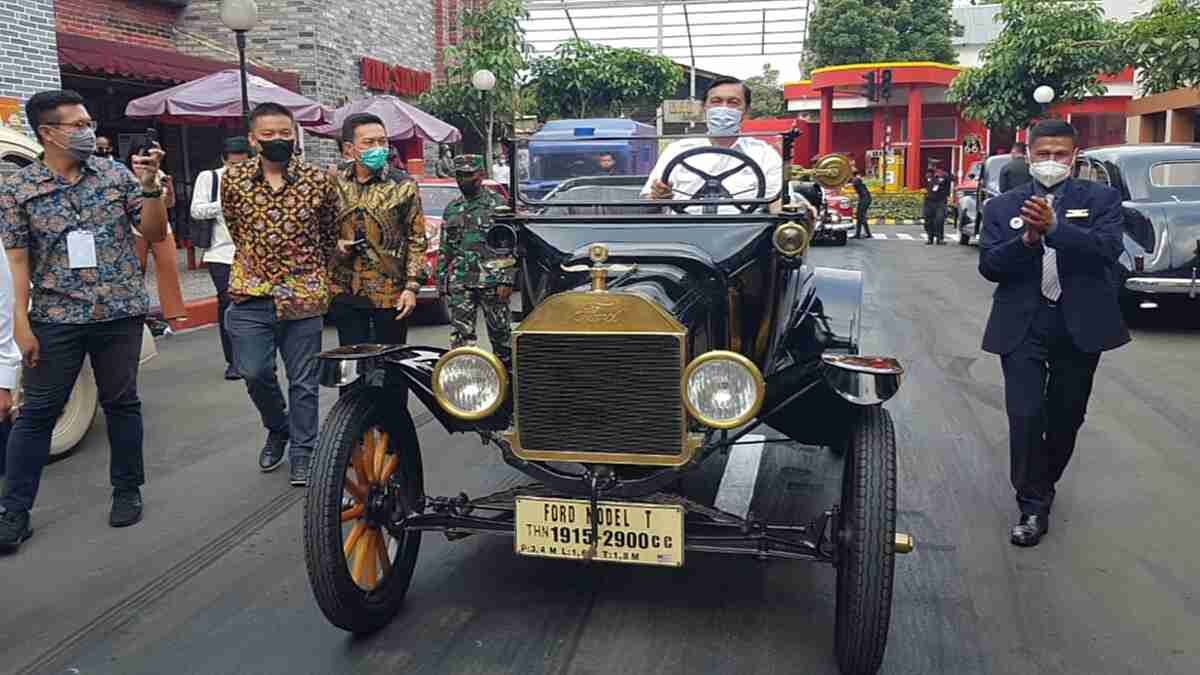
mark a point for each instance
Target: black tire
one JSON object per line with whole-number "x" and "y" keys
{"x": 964, "y": 237}
{"x": 344, "y": 602}
{"x": 842, "y": 237}
{"x": 867, "y": 534}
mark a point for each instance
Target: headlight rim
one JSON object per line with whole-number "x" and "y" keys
{"x": 456, "y": 412}
{"x": 760, "y": 389}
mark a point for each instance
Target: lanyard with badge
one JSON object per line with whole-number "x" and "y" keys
{"x": 81, "y": 244}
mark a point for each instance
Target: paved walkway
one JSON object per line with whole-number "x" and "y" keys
{"x": 196, "y": 283}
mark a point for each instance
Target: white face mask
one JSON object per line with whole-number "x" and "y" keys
{"x": 723, "y": 121}
{"x": 1049, "y": 172}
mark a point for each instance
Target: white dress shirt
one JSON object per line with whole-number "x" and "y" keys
{"x": 741, "y": 185}
{"x": 10, "y": 355}
{"x": 501, "y": 174}
{"x": 203, "y": 208}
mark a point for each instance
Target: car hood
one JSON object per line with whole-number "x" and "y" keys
{"x": 1166, "y": 235}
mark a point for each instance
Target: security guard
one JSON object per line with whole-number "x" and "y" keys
{"x": 474, "y": 277}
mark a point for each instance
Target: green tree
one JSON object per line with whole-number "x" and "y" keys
{"x": 583, "y": 79}
{"x": 766, "y": 94}
{"x": 1164, "y": 44}
{"x": 1065, "y": 44}
{"x": 493, "y": 39}
{"x": 864, "y": 31}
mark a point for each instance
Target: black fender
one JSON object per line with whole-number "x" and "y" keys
{"x": 411, "y": 367}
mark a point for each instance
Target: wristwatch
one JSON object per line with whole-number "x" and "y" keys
{"x": 152, "y": 195}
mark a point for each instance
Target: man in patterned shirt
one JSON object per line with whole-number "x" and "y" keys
{"x": 68, "y": 224}
{"x": 471, "y": 275}
{"x": 380, "y": 259}
{"x": 280, "y": 215}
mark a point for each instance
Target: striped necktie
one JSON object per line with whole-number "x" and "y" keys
{"x": 1051, "y": 288}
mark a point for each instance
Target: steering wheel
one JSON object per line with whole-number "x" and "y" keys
{"x": 713, "y": 188}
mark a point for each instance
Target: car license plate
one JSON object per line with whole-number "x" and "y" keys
{"x": 640, "y": 534}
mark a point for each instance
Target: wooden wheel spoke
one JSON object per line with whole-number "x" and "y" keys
{"x": 353, "y": 513}
{"x": 385, "y": 565}
{"x": 381, "y": 448}
{"x": 359, "y": 459}
{"x": 389, "y": 468}
{"x": 362, "y": 556}
{"x": 355, "y": 535}
{"x": 371, "y": 575}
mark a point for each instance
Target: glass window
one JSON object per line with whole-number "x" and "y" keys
{"x": 435, "y": 199}
{"x": 1175, "y": 174}
{"x": 932, "y": 129}
{"x": 1097, "y": 129}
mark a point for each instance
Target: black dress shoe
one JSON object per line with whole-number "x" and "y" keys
{"x": 231, "y": 374}
{"x": 1029, "y": 530}
{"x": 272, "y": 453}
{"x": 126, "y": 507}
{"x": 14, "y": 529}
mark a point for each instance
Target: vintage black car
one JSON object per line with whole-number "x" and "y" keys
{"x": 969, "y": 212}
{"x": 1160, "y": 189}
{"x": 657, "y": 337}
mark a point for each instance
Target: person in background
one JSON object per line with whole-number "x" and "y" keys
{"x": 280, "y": 213}
{"x": 380, "y": 260}
{"x": 1015, "y": 173}
{"x": 501, "y": 172}
{"x": 606, "y": 164}
{"x": 938, "y": 185}
{"x": 218, "y": 257}
{"x": 444, "y": 168}
{"x": 470, "y": 277}
{"x": 104, "y": 147}
{"x": 76, "y": 292}
{"x": 166, "y": 261}
{"x": 1050, "y": 245}
{"x": 864, "y": 203}
{"x": 10, "y": 357}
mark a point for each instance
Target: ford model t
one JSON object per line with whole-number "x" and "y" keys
{"x": 655, "y": 338}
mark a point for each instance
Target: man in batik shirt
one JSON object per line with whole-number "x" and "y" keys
{"x": 280, "y": 212}
{"x": 472, "y": 276}
{"x": 380, "y": 261}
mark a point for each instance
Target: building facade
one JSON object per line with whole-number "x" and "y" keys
{"x": 28, "y": 50}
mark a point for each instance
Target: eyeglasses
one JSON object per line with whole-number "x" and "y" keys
{"x": 88, "y": 124}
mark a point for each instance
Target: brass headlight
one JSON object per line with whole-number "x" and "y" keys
{"x": 790, "y": 239}
{"x": 470, "y": 383}
{"x": 723, "y": 389}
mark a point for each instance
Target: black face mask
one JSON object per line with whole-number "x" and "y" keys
{"x": 104, "y": 153}
{"x": 469, "y": 187}
{"x": 279, "y": 150}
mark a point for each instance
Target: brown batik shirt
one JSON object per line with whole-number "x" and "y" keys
{"x": 385, "y": 210}
{"x": 285, "y": 238}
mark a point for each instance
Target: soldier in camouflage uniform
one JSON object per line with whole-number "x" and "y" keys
{"x": 473, "y": 276}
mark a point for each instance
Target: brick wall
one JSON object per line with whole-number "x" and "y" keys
{"x": 321, "y": 41}
{"x": 28, "y": 50}
{"x": 137, "y": 22}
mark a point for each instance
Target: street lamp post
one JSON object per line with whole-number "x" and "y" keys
{"x": 485, "y": 81}
{"x": 1043, "y": 95}
{"x": 240, "y": 16}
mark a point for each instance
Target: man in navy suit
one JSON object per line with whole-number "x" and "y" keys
{"x": 1050, "y": 245}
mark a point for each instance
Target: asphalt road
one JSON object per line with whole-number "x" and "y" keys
{"x": 213, "y": 580}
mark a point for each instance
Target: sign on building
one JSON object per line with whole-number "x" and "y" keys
{"x": 398, "y": 80}
{"x": 682, "y": 111}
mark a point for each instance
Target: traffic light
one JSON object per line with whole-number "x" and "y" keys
{"x": 870, "y": 90}
{"x": 885, "y": 87}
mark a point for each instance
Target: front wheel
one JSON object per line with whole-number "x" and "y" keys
{"x": 866, "y": 537}
{"x": 366, "y": 472}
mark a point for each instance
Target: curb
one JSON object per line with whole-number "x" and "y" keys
{"x": 894, "y": 221}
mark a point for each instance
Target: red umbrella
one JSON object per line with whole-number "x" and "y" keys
{"x": 219, "y": 96}
{"x": 401, "y": 120}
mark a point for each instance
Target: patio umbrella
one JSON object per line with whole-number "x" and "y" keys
{"x": 218, "y": 97}
{"x": 402, "y": 121}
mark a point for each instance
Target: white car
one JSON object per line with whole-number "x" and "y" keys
{"x": 17, "y": 150}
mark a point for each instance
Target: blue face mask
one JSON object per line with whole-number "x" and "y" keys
{"x": 374, "y": 159}
{"x": 723, "y": 121}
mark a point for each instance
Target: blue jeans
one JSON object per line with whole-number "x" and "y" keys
{"x": 256, "y": 334}
{"x": 114, "y": 348}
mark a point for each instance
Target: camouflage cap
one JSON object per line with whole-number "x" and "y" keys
{"x": 468, "y": 163}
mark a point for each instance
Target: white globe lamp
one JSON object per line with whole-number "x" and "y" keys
{"x": 483, "y": 80}
{"x": 1043, "y": 94}
{"x": 239, "y": 15}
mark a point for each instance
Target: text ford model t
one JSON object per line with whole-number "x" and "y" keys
{"x": 656, "y": 337}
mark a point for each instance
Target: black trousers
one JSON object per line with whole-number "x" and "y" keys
{"x": 935, "y": 220}
{"x": 860, "y": 218}
{"x": 114, "y": 349}
{"x": 1047, "y": 383}
{"x": 358, "y": 325}
{"x": 220, "y": 279}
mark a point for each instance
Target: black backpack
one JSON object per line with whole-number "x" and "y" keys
{"x": 202, "y": 230}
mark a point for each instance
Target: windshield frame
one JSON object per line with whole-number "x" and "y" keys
{"x": 518, "y": 198}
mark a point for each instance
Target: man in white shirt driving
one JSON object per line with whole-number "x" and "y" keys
{"x": 725, "y": 105}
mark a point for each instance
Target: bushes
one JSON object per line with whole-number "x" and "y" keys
{"x": 898, "y": 205}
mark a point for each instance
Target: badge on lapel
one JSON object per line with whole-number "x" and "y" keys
{"x": 1016, "y": 223}
{"x": 1077, "y": 213}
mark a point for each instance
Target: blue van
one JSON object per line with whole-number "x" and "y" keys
{"x": 560, "y": 151}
